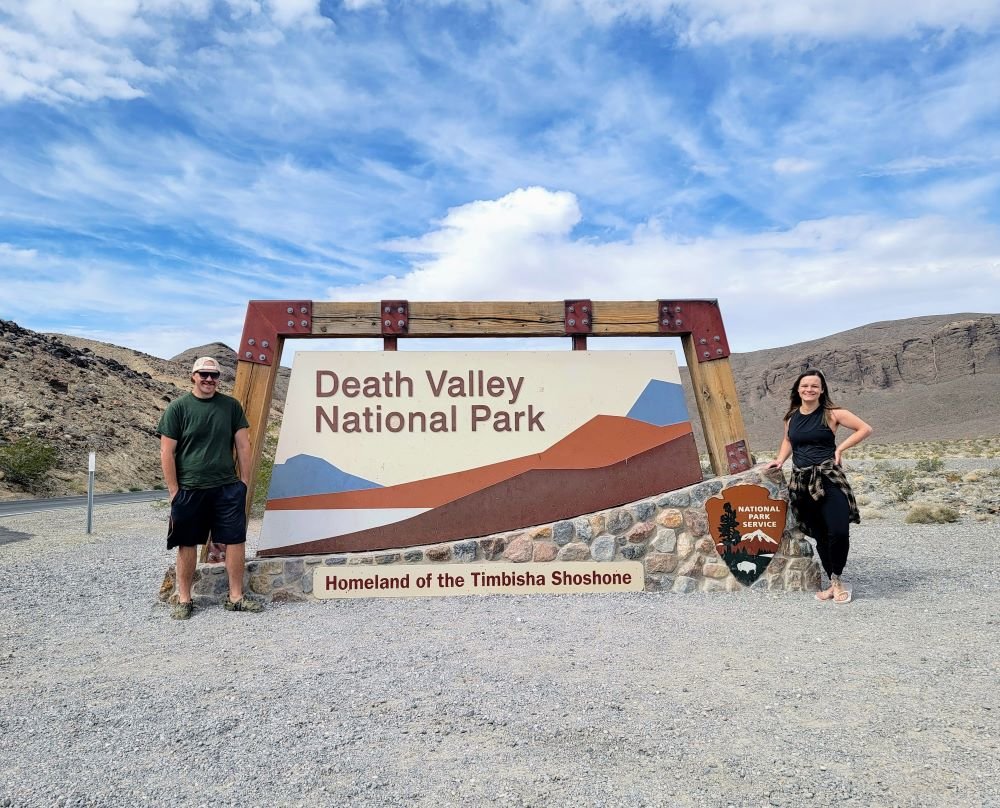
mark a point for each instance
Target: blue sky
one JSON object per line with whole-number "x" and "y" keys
{"x": 815, "y": 166}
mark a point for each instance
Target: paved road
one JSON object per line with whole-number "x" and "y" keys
{"x": 17, "y": 506}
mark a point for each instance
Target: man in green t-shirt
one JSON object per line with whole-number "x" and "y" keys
{"x": 197, "y": 434}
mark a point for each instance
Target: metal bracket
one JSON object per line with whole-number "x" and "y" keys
{"x": 579, "y": 316}
{"x": 699, "y": 318}
{"x": 267, "y": 320}
{"x": 737, "y": 456}
{"x": 394, "y": 316}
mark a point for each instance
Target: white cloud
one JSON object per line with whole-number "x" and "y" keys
{"x": 60, "y": 51}
{"x": 836, "y": 273}
{"x": 291, "y": 12}
{"x": 725, "y": 20}
{"x": 793, "y": 165}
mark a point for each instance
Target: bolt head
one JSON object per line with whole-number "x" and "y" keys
{"x": 706, "y": 354}
{"x": 387, "y": 309}
{"x": 401, "y": 323}
{"x": 291, "y": 323}
{"x": 304, "y": 323}
{"x": 703, "y": 341}
{"x": 251, "y": 341}
{"x": 400, "y": 310}
{"x": 289, "y": 310}
{"x": 265, "y": 344}
{"x": 387, "y": 323}
{"x": 249, "y": 354}
{"x": 263, "y": 358}
{"x": 585, "y": 321}
{"x": 572, "y": 322}
{"x": 303, "y": 310}
{"x": 678, "y": 322}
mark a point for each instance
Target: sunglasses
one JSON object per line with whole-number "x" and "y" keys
{"x": 207, "y": 375}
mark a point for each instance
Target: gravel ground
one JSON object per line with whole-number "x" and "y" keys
{"x": 658, "y": 700}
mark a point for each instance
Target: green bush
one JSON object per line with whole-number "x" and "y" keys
{"x": 929, "y": 464}
{"x": 924, "y": 514}
{"x": 27, "y": 461}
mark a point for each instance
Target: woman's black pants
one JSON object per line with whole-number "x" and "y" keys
{"x": 828, "y": 522}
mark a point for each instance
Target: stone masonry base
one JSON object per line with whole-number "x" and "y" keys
{"x": 667, "y": 533}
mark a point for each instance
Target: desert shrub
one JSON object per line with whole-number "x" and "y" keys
{"x": 923, "y": 513}
{"x": 931, "y": 463}
{"x": 900, "y": 483}
{"x": 27, "y": 461}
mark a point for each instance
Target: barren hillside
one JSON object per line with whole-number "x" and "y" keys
{"x": 926, "y": 378}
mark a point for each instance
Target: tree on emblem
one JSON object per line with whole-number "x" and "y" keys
{"x": 728, "y": 527}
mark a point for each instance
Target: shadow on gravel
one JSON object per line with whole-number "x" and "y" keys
{"x": 881, "y": 578}
{"x": 11, "y": 536}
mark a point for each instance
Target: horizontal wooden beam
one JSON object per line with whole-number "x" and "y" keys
{"x": 615, "y": 318}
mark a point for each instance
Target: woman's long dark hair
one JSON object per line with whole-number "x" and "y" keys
{"x": 825, "y": 402}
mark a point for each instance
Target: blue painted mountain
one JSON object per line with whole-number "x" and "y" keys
{"x": 304, "y": 475}
{"x": 660, "y": 404}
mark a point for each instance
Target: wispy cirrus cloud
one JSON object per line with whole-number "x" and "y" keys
{"x": 163, "y": 149}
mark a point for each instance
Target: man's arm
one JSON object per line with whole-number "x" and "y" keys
{"x": 168, "y": 461}
{"x": 243, "y": 454}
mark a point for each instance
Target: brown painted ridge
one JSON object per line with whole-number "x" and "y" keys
{"x": 603, "y": 441}
{"x": 537, "y": 496}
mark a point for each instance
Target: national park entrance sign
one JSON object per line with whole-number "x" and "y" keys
{"x": 622, "y": 446}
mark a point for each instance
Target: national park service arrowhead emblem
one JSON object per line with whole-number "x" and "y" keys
{"x": 746, "y": 524}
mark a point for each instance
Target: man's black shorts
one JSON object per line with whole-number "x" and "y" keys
{"x": 196, "y": 511}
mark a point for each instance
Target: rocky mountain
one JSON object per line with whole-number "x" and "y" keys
{"x": 81, "y": 396}
{"x": 919, "y": 379}
{"x": 925, "y": 378}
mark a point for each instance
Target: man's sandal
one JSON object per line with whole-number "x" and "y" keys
{"x": 182, "y": 611}
{"x": 244, "y": 604}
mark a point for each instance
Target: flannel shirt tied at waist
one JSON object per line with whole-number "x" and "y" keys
{"x": 808, "y": 482}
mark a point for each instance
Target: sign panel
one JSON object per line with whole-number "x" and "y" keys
{"x": 570, "y": 577}
{"x": 747, "y": 526}
{"x": 397, "y": 449}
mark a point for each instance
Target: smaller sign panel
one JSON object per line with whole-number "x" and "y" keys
{"x": 747, "y": 525}
{"x": 417, "y": 580}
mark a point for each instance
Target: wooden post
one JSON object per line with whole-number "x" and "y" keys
{"x": 718, "y": 404}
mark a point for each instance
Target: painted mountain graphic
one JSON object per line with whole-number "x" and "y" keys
{"x": 304, "y": 474}
{"x": 756, "y": 543}
{"x": 660, "y": 403}
{"x": 608, "y": 461}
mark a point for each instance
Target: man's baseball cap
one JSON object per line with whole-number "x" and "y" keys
{"x": 207, "y": 364}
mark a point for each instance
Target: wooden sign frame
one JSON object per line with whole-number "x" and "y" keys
{"x": 697, "y": 322}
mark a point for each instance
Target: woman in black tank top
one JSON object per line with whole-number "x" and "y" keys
{"x": 818, "y": 489}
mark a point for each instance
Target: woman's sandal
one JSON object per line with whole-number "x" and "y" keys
{"x": 843, "y": 596}
{"x": 826, "y": 594}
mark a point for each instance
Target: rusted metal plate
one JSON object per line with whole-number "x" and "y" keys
{"x": 395, "y": 317}
{"x": 265, "y": 321}
{"x": 737, "y": 457}
{"x": 699, "y": 318}
{"x": 579, "y": 317}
